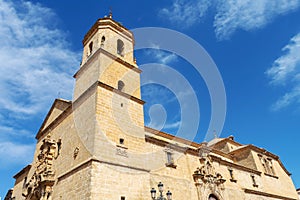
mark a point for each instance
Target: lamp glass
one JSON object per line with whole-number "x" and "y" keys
{"x": 169, "y": 195}
{"x": 160, "y": 187}
{"x": 153, "y": 193}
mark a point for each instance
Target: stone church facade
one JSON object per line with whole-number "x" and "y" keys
{"x": 97, "y": 147}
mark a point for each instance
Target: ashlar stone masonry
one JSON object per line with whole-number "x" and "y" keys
{"x": 97, "y": 147}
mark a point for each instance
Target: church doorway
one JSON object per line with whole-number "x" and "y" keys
{"x": 212, "y": 197}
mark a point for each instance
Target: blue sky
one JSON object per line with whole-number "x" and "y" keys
{"x": 255, "y": 45}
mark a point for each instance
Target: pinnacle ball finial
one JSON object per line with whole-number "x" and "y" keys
{"x": 215, "y": 134}
{"x": 110, "y": 13}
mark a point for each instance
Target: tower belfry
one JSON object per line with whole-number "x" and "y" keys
{"x": 109, "y": 45}
{"x": 107, "y": 89}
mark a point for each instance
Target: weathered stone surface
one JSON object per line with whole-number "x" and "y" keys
{"x": 98, "y": 148}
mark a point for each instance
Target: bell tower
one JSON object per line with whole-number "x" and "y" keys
{"x": 108, "y": 45}
{"x": 107, "y": 96}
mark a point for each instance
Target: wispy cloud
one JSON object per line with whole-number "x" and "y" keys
{"x": 157, "y": 93}
{"x": 230, "y": 15}
{"x": 158, "y": 119}
{"x": 285, "y": 71}
{"x": 161, "y": 56}
{"x": 9, "y": 131}
{"x": 174, "y": 125}
{"x": 36, "y": 61}
{"x": 186, "y": 13}
{"x": 248, "y": 15}
{"x": 13, "y": 153}
{"x": 288, "y": 99}
{"x": 167, "y": 109}
{"x": 36, "y": 66}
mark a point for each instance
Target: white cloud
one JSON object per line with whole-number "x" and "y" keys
{"x": 158, "y": 117}
{"x": 166, "y": 58}
{"x": 186, "y": 13}
{"x": 230, "y": 15}
{"x": 287, "y": 66}
{"x": 287, "y": 99}
{"x": 285, "y": 71}
{"x": 13, "y": 153}
{"x": 36, "y": 66}
{"x": 161, "y": 56}
{"x": 9, "y": 132}
{"x": 36, "y": 62}
{"x": 248, "y": 14}
{"x": 173, "y": 125}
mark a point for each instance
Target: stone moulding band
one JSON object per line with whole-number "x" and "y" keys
{"x": 249, "y": 191}
{"x": 116, "y": 58}
{"x": 89, "y": 162}
{"x": 68, "y": 110}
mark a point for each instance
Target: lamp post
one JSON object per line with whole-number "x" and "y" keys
{"x": 160, "y": 189}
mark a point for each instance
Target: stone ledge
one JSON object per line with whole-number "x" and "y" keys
{"x": 234, "y": 165}
{"x": 110, "y": 55}
{"x": 89, "y": 162}
{"x": 249, "y": 191}
{"x": 273, "y": 176}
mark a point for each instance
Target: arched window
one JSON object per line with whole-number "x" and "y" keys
{"x": 90, "y": 48}
{"x": 212, "y": 197}
{"x": 120, "y": 47}
{"x": 102, "y": 41}
{"x": 121, "y": 85}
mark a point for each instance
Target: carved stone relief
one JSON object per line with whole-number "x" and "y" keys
{"x": 39, "y": 187}
{"x": 76, "y": 152}
{"x": 121, "y": 152}
{"x": 208, "y": 180}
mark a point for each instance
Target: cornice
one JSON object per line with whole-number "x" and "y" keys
{"x": 110, "y": 88}
{"x": 23, "y": 171}
{"x": 171, "y": 137}
{"x": 110, "y": 55}
{"x": 162, "y": 143}
{"x": 50, "y": 111}
{"x": 234, "y": 165}
{"x": 261, "y": 151}
{"x": 228, "y": 140}
{"x": 68, "y": 110}
{"x": 105, "y": 22}
{"x": 249, "y": 191}
{"x": 88, "y": 163}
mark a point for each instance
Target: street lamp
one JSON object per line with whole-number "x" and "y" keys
{"x": 160, "y": 189}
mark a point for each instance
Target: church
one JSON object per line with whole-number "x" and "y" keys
{"x": 97, "y": 146}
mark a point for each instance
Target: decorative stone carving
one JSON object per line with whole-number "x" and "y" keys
{"x": 207, "y": 180}
{"x": 76, "y": 151}
{"x": 121, "y": 152}
{"x": 205, "y": 174}
{"x": 39, "y": 187}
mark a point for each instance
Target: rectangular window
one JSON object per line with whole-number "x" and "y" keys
{"x": 121, "y": 140}
{"x": 24, "y": 183}
{"x": 232, "y": 179}
{"x": 122, "y": 198}
{"x": 170, "y": 160}
{"x": 169, "y": 157}
{"x": 253, "y": 180}
{"x": 270, "y": 164}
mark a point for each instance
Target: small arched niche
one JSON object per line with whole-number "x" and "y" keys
{"x": 121, "y": 85}
{"x": 91, "y": 48}
{"x": 120, "y": 47}
{"x": 102, "y": 41}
